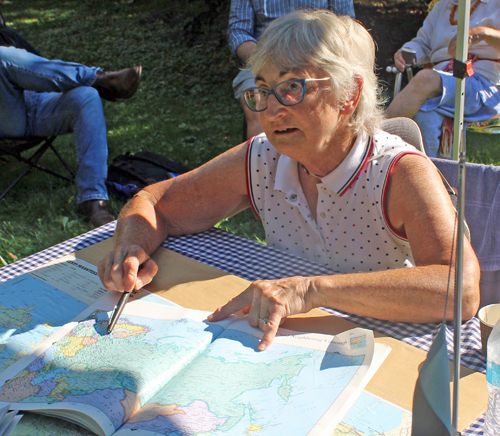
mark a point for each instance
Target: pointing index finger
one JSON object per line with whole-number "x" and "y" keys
{"x": 270, "y": 330}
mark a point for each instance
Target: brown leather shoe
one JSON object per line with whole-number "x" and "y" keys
{"x": 113, "y": 85}
{"x": 96, "y": 212}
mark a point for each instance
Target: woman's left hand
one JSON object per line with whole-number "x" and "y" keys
{"x": 269, "y": 302}
{"x": 474, "y": 36}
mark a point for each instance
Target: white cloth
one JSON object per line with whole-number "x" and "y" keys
{"x": 351, "y": 233}
{"x": 433, "y": 38}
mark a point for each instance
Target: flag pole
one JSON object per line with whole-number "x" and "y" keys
{"x": 459, "y": 154}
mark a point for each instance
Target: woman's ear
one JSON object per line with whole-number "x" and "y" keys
{"x": 350, "y": 105}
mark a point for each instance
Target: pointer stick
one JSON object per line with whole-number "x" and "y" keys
{"x": 118, "y": 310}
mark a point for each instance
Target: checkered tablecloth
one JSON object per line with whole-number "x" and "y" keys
{"x": 252, "y": 261}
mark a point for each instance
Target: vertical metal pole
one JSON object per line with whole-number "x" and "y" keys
{"x": 458, "y": 286}
{"x": 459, "y": 150}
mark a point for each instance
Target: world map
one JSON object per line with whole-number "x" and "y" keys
{"x": 370, "y": 416}
{"x": 30, "y": 311}
{"x": 35, "y": 305}
{"x": 220, "y": 387}
{"x": 114, "y": 373}
{"x": 233, "y": 389}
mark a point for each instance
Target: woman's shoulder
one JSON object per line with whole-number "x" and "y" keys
{"x": 388, "y": 143}
{"x": 260, "y": 145}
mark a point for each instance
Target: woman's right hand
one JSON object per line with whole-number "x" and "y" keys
{"x": 126, "y": 268}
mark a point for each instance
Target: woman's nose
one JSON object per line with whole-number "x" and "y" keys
{"x": 274, "y": 107}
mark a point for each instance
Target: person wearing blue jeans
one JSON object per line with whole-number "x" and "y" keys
{"x": 42, "y": 97}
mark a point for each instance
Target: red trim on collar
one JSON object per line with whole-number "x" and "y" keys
{"x": 247, "y": 173}
{"x": 384, "y": 195}
{"x": 367, "y": 158}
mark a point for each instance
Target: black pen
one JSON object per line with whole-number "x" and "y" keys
{"x": 118, "y": 311}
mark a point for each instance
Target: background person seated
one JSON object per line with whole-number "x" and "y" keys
{"x": 430, "y": 95}
{"x": 42, "y": 97}
{"x": 247, "y": 21}
{"x": 327, "y": 183}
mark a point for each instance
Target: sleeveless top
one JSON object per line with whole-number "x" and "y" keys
{"x": 351, "y": 233}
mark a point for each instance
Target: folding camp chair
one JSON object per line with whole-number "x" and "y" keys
{"x": 15, "y": 147}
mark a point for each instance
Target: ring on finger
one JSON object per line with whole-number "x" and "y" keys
{"x": 264, "y": 320}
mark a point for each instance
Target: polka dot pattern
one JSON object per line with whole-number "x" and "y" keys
{"x": 350, "y": 233}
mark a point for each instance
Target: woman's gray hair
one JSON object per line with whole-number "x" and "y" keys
{"x": 338, "y": 45}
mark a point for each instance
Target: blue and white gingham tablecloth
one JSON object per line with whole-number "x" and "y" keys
{"x": 253, "y": 261}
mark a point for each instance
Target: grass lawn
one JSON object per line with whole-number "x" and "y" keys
{"x": 184, "y": 108}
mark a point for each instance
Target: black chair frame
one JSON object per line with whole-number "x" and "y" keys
{"x": 16, "y": 146}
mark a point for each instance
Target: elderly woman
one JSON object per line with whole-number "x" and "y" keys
{"x": 326, "y": 183}
{"x": 430, "y": 95}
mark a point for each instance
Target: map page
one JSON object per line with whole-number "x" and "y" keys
{"x": 166, "y": 370}
{"x": 374, "y": 416}
{"x": 369, "y": 416}
{"x": 35, "y": 305}
{"x": 98, "y": 379}
{"x": 296, "y": 387}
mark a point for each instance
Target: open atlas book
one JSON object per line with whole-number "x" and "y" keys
{"x": 166, "y": 370}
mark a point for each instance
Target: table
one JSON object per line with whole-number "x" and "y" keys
{"x": 252, "y": 261}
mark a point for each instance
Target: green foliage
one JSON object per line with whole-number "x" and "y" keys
{"x": 245, "y": 224}
{"x": 483, "y": 148}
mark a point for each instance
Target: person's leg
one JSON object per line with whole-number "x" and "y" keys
{"x": 30, "y": 72}
{"x": 12, "y": 106}
{"x": 426, "y": 84}
{"x": 430, "y": 124}
{"x": 481, "y": 99}
{"x": 80, "y": 111}
{"x": 245, "y": 80}
{"x": 20, "y": 70}
{"x": 12, "y": 110}
{"x": 23, "y": 70}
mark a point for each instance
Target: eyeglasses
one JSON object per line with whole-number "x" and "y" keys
{"x": 288, "y": 93}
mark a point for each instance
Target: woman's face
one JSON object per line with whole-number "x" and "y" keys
{"x": 310, "y": 129}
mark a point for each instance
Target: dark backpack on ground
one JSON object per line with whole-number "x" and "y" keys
{"x": 129, "y": 173}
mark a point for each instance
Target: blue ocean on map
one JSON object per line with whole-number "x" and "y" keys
{"x": 30, "y": 315}
{"x": 214, "y": 381}
{"x": 112, "y": 372}
{"x": 374, "y": 416}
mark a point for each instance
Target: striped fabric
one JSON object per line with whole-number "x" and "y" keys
{"x": 249, "y": 18}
